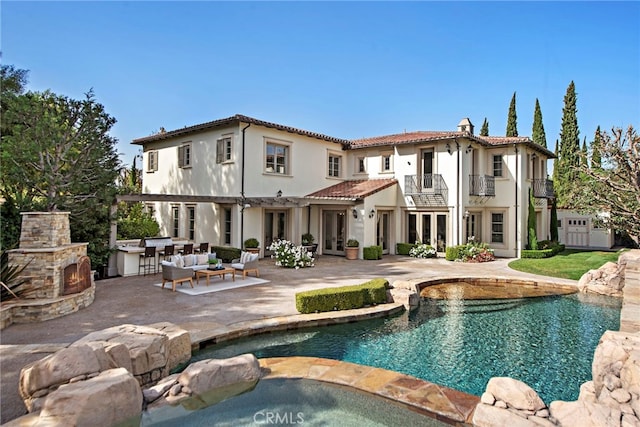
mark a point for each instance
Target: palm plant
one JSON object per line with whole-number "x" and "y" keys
{"x": 10, "y": 278}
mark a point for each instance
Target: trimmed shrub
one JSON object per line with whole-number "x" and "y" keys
{"x": 226, "y": 253}
{"x": 453, "y": 252}
{"x": 540, "y": 253}
{"x": 403, "y": 248}
{"x": 372, "y": 252}
{"x": 342, "y": 298}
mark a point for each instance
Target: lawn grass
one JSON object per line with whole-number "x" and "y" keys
{"x": 569, "y": 264}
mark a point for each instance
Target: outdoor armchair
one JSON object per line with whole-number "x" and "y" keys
{"x": 247, "y": 263}
{"x": 175, "y": 275}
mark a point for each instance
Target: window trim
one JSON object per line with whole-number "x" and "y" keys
{"x": 334, "y": 155}
{"x": 152, "y": 161}
{"x": 389, "y": 155}
{"x": 175, "y": 220}
{"x": 185, "y": 162}
{"x": 191, "y": 222}
{"x": 287, "y": 157}
{"x": 361, "y": 161}
{"x": 503, "y": 232}
{"x": 502, "y": 165}
{"x": 224, "y": 151}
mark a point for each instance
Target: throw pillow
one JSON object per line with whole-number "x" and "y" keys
{"x": 189, "y": 260}
{"x": 202, "y": 259}
{"x": 253, "y": 257}
{"x": 244, "y": 257}
{"x": 178, "y": 260}
{"x": 168, "y": 263}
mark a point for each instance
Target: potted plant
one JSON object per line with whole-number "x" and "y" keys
{"x": 351, "y": 251}
{"x": 307, "y": 239}
{"x": 252, "y": 245}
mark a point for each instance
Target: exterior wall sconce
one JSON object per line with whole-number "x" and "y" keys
{"x": 469, "y": 148}
{"x": 466, "y": 214}
{"x": 354, "y": 212}
{"x": 448, "y": 148}
{"x": 279, "y": 193}
{"x": 372, "y": 213}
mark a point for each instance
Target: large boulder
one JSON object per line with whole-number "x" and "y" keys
{"x": 493, "y": 416}
{"x": 209, "y": 374}
{"x": 111, "y": 398}
{"x": 584, "y": 414}
{"x": 179, "y": 345}
{"x": 515, "y": 394}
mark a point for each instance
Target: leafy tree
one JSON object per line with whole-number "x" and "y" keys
{"x": 596, "y": 159}
{"x": 57, "y": 154}
{"x": 135, "y": 223}
{"x": 14, "y": 80}
{"x": 130, "y": 180}
{"x": 512, "y": 119}
{"x": 568, "y": 161}
{"x": 614, "y": 188}
{"x": 484, "y": 130}
{"x": 554, "y": 221}
{"x": 538, "y": 135}
{"x": 531, "y": 223}
{"x": 584, "y": 155}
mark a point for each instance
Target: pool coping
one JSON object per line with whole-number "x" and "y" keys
{"x": 435, "y": 401}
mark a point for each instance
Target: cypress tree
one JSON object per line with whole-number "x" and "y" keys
{"x": 596, "y": 157}
{"x": 554, "y": 221}
{"x": 537, "y": 134}
{"x": 569, "y": 153}
{"x": 484, "y": 131}
{"x": 531, "y": 223}
{"x": 584, "y": 157}
{"x": 512, "y": 119}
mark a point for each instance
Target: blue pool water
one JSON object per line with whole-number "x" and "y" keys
{"x": 547, "y": 342}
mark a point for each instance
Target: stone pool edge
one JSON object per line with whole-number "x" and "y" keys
{"x": 435, "y": 401}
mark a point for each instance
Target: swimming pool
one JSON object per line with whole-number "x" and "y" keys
{"x": 547, "y": 342}
{"x": 291, "y": 402}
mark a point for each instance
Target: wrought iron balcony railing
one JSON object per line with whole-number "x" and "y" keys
{"x": 426, "y": 189}
{"x": 482, "y": 185}
{"x": 542, "y": 188}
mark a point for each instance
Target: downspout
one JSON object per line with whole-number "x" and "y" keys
{"x": 459, "y": 193}
{"x": 242, "y": 188}
{"x": 516, "y": 205}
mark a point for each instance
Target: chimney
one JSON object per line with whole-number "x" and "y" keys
{"x": 465, "y": 125}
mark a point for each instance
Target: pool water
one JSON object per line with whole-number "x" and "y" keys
{"x": 291, "y": 402}
{"x": 547, "y": 342}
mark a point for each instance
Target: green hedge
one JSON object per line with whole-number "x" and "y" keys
{"x": 552, "y": 249}
{"x": 372, "y": 252}
{"x": 453, "y": 252}
{"x": 226, "y": 253}
{"x": 403, "y": 248}
{"x": 343, "y": 298}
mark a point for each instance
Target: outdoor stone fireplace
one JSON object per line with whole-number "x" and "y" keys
{"x": 58, "y": 272}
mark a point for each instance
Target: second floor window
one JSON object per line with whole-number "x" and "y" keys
{"x": 277, "y": 159}
{"x": 386, "y": 162}
{"x": 334, "y": 166}
{"x": 184, "y": 156}
{"x": 497, "y": 165}
{"x": 152, "y": 161}
{"x": 223, "y": 150}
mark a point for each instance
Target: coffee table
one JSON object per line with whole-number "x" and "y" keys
{"x": 221, "y": 273}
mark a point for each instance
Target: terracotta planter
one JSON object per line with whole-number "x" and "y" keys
{"x": 351, "y": 252}
{"x": 252, "y": 250}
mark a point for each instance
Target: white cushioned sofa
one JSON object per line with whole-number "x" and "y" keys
{"x": 193, "y": 261}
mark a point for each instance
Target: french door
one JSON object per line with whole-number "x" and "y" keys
{"x": 275, "y": 228}
{"x": 382, "y": 231}
{"x": 334, "y": 230}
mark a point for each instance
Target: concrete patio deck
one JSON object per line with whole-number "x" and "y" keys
{"x": 135, "y": 300}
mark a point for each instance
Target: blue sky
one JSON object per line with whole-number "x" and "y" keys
{"x": 346, "y": 69}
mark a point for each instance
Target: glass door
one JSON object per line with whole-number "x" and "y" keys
{"x": 441, "y": 230}
{"x": 334, "y": 229}
{"x": 426, "y": 229}
{"x": 474, "y": 224}
{"x": 427, "y": 169}
{"x": 383, "y": 231}
{"x": 275, "y": 228}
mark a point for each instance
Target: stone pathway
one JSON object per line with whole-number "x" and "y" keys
{"x": 135, "y": 300}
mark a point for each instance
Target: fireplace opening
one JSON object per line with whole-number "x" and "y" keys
{"x": 77, "y": 277}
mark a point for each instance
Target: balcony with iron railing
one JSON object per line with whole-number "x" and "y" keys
{"x": 542, "y": 188}
{"x": 427, "y": 189}
{"x": 482, "y": 185}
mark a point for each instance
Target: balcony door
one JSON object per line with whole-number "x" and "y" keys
{"x": 333, "y": 234}
{"x": 427, "y": 169}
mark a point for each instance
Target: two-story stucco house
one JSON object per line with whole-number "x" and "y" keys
{"x": 239, "y": 177}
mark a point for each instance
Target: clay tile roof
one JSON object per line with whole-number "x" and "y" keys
{"x": 405, "y": 138}
{"x": 238, "y": 118}
{"x": 499, "y": 140}
{"x": 356, "y": 189}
